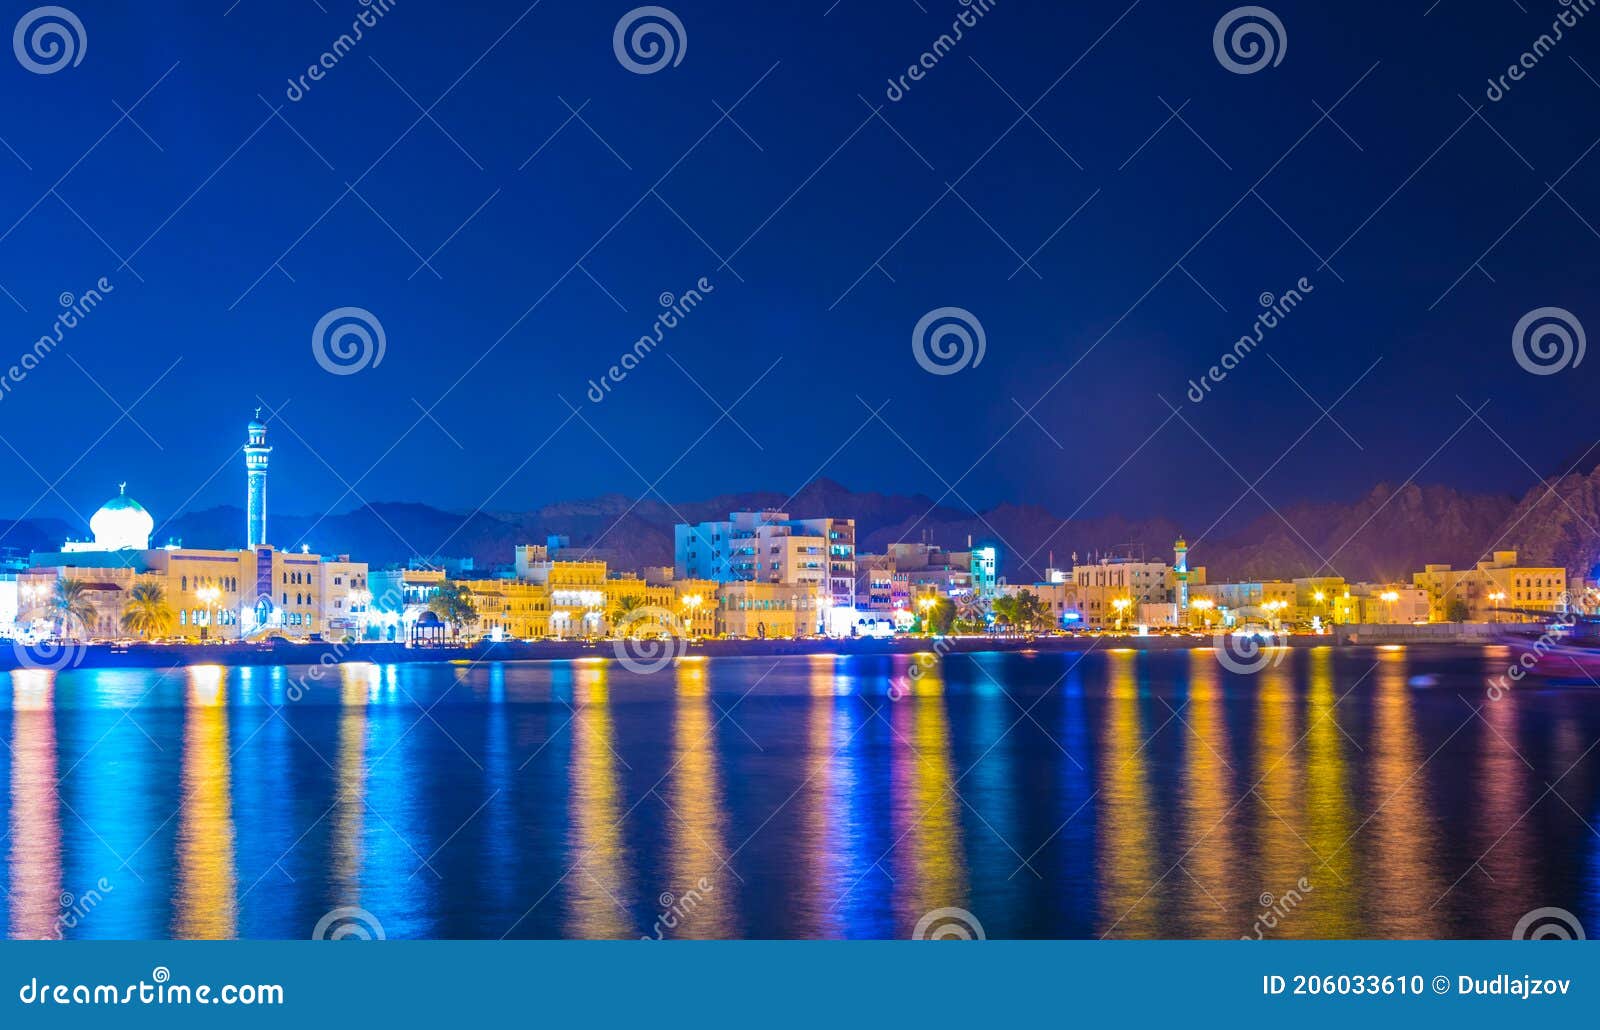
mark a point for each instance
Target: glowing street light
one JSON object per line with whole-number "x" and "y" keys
{"x": 692, "y": 602}
{"x": 209, "y": 595}
{"x": 1121, "y": 604}
{"x": 1497, "y": 597}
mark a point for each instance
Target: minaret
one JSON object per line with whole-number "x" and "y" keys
{"x": 255, "y": 466}
{"x": 1180, "y": 566}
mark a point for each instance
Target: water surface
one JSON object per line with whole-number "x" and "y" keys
{"x": 1351, "y": 793}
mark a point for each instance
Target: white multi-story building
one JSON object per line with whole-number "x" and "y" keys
{"x": 818, "y": 554}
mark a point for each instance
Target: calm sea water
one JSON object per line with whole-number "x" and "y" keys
{"x": 1366, "y": 793}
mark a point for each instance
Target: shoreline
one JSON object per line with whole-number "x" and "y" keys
{"x": 159, "y": 656}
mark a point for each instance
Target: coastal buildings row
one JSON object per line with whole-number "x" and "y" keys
{"x": 755, "y": 574}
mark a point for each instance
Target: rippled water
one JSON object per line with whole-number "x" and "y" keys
{"x": 1341, "y": 793}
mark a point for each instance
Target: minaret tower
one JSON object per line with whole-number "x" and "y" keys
{"x": 1180, "y": 566}
{"x": 256, "y": 451}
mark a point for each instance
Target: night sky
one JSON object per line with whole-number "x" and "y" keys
{"x": 550, "y": 239}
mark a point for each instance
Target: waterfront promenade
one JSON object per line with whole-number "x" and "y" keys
{"x": 328, "y": 653}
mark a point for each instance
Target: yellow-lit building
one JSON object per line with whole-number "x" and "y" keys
{"x": 696, "y": 607}
{"x": 750, "y": 609}
{"x": 1491, "y": 587}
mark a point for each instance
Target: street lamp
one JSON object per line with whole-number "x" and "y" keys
{"x": 1497, "y": 597}
{"x": 1121, "y": 604}
{"x": 926, "y": 604}
{"x": 1205, "y": 604}
{"x": 693, "y": 603}
{"x": 209, "y": 595}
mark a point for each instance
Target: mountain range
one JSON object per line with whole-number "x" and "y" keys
{"x": 1382, "y": 536}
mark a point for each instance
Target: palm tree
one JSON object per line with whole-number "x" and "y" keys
{"x": 627, "y": 612}
{"x": 147, "y": 613}
{"x": 1008, "y": 610}
{"x": 72, "y": 608}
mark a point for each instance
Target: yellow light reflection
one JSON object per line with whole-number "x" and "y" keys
{"x": 206, "y": 903}
{"x": 1210, "y": 814}
{"x": 1399, "y": 846}
{"x": 598, "y": 884}
{"x": 702, "y": 888}
{"x": 931, "y": 857}
{"x": 1330, "y": 909}
{"x": 357, "y": 684}
{"x": 1128, "y": 835}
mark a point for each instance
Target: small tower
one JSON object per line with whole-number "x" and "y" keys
{"x": 1180, "y": 569}
{"x": 256, "y": 451}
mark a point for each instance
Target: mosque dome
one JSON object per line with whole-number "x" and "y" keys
{"x": 122, "y": 523}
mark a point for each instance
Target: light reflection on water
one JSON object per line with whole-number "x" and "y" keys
{"x": 1352, "y": 793}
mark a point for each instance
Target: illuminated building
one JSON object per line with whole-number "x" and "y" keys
{"x": 1271, "y": 601}
{"x": 1381, "y": 604}
{"x": 1113, "y": 590}
{"x": 1493, "y": 590}
{"x": 770, "y": 610}
{"x": 770, "y": 547}
{"x": 211, "y": 593}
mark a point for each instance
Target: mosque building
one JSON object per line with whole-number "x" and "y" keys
{"x": 228, "y": 594}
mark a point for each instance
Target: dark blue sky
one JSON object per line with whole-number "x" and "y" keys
{"x": 802, "y": 207}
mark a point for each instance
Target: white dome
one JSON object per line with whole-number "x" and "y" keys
{"x": 122, "y": 523}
